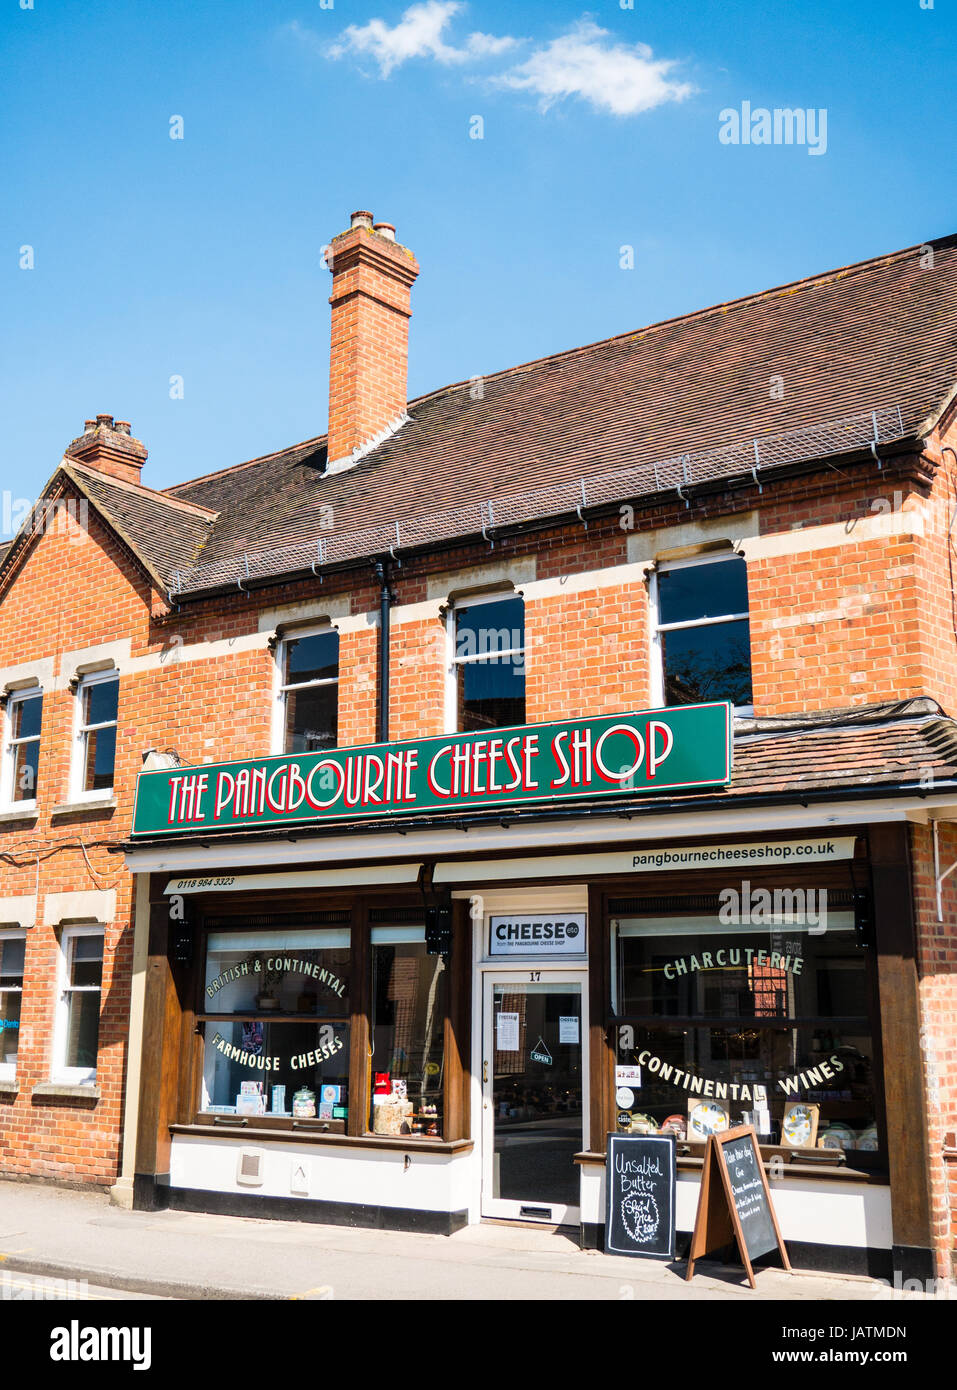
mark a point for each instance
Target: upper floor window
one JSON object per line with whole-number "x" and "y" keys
{"x": 487, "y": 674}
{"x": 702, "y": 633}
{"x": 12, "y": 948}
{"x": 98, "y": 697}
{"x": 21, "y": 762}
{"x": 310, "y": 692}
{"x": 77, "y": 1033}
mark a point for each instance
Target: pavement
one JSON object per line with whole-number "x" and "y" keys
{"x": 56, "y": 1233}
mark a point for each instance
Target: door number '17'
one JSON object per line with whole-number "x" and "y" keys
{"x": 534, "y": 975}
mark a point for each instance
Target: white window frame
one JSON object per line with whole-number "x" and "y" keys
{"x": 77, "y": 791}
{"x": 453, "y": 662}
{"x": 657, "y": 663}
{"x": 8, "y": 1070}
{"x": 282, "y": 687}
{"x": 73, "y": 1076}
{"x": 8, "y": 801}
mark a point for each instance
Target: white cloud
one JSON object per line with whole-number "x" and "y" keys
{"x": 585, "y": 62}
{"x": 418, "y": 34}
{"x": 487, "y": 45}
{"x": 624, "y": 79}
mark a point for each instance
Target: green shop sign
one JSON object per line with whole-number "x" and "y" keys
{"x": 578, "y": 759}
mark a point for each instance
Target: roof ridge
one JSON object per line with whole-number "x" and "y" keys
{"x": 126, "y": 486}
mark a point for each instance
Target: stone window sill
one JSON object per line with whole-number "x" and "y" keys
{"x": 72, "y": 808}
{"x": 13, "y": 817}
{"x": 9, "y": 1089}
{"x": 63, "y": 1090}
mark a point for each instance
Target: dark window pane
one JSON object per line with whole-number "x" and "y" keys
{"x": 100, "y": 759}
{"x": 702, "y": 591}
{"x": 86, "y": 960}
{"x": 27, "y": 716}
{"x": 409, "y": 994}
{"x": 483, "y": 628}
{"x": 312, "y": 717}
{"x": 9, "y": 1026}
{"x": 83, "y": 1027}
{"x": 11, "y": 962}
{"x": 26, "y": 767}
{"x": 742, "y": 971}
{"x": 708, "y": 663}
{"x": 262, "y": 978}
{"x": 491, "y": 694}
{"x": 100, "y": 702}
{"x": 312, "y": 658}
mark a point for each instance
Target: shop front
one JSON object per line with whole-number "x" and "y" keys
{"x": 429, "y": 1024}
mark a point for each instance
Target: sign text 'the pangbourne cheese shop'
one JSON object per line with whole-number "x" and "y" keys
{"x": 622, "y": 754}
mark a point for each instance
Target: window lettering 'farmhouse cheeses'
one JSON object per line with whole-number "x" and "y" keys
{"x": 620, "y": 755}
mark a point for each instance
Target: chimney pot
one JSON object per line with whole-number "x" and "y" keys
{"x": 362, "y": 219}
{"x": 109, "y": 448}
{"x": 385, "y": 229}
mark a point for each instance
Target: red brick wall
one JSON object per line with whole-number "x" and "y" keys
{"x": 837, "y": 627}
{"x": 587, "y": 652}
{"x": 937, "y": 964}
{"x": 417, "y": 660}
{"x": 73, "y": 591}
{"x": 936, "y": 577}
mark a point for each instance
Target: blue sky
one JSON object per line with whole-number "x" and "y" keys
{"x": 201, "y": 257}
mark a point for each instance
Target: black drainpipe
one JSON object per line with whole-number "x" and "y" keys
{"x": 385, "y": 600}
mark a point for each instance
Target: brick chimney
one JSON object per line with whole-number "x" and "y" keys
{"x": 108, "y": 446}
{"x": 372, "y": 278}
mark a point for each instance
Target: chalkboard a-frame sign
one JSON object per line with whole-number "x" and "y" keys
{"x": 640, "y": 1195}
{"x": 735, "y": 1201}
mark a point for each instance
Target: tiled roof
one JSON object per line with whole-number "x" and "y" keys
{"x": 887, "y": 746}
{"x": 165, "y": 531}
{"x": 880, "y": 335}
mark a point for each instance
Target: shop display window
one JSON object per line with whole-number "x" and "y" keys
{"x": 276, "y": 1022}
{"x": 409, "y": 992}
{"x": 725, "y": 1020}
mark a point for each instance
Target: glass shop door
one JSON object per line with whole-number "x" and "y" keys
{"x": 533, "y": 1084}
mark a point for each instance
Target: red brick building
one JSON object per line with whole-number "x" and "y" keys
{"x": 746, "y": 509}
